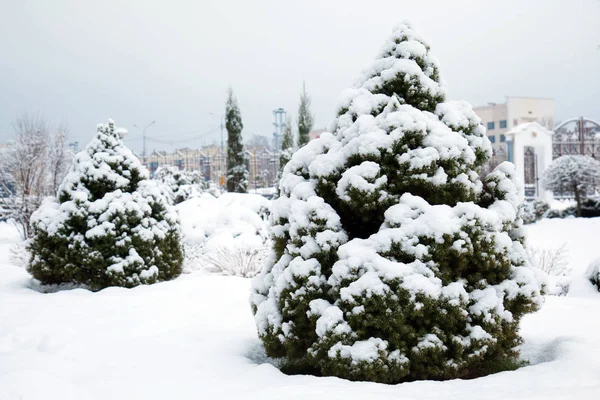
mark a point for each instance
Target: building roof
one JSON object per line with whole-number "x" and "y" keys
{"x": 528, "y": 127}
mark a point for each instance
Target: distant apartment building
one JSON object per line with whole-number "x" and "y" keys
{"x": 499, "y": 118}
{"x": 211, "y": 161}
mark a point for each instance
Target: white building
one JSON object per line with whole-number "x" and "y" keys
{"x": 499, "y": 118}
{"x": 529, "y": 147}
{"x": 521, "y": 132}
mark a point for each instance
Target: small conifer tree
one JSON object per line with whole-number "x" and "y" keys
{"x": 237, "y": 172}
{"x": 305, "y": 118}
{"x": 287, "y": 145}
{"x": 394, "y": 260}
{"x": 109, "y": 226}
{"x": 180, "y": 183}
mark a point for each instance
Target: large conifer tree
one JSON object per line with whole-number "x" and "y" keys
{"x": 237, "y": 172}
{"x": 393, "y": 260}
{"x": 110, "y": 226}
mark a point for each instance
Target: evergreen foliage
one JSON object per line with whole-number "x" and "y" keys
{"x": 287, "y": 146}
{"x": 575, "y": 174}
{"x": 593, "y": 273}
{"x": 237, "y": 171}
{"x": 589, "y": 208}
{"x": 533, "y": 211}
{"x": 181, "y": 184}
{"x": 109, "y": 226}
{"x": 394, "y": 260}
{"x": 305, "y": 118}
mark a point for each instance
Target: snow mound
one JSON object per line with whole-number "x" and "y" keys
{"x": 232, "y": 223}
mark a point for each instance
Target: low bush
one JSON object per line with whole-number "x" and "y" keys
{"x": 533, "y": 211}
{"x": 593, "y": 273}
{"x": 589, "y": 208}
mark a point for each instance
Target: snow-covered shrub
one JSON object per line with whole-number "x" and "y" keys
{"x": 110, "y": 226}
{"x": 533, "y": 211}
{"x": 217, "y": 225}
{"x": 19, "y": 255}
{"x": 593, "y": 273}
{"x": 552, "y": 261}
{"x": 561, "y": 213}
{"x": 182, "y": 184}
{"x": 238, "y": 260}
{"x": 554, "y": 265}
{"x": 193, "y": 256}
{"x": 393, "y": 260}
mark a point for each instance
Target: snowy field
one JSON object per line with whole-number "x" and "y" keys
{"x": 195, "y": 338}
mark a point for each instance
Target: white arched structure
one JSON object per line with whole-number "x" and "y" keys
{"x": 529, "y": 147}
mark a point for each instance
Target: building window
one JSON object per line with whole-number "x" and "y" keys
{"x": 503, "y": 124}
{"x": 490, "y": 125}
{"x": 502, "y": 138}
{"x": 492, "y": 138}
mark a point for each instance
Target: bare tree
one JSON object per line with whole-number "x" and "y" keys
{"x": 30, "y": 168}
{"x": 59, "y": 156}
{"x": 259, "y": 141}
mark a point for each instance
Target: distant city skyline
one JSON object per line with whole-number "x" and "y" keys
{"x": 139, "y": 61}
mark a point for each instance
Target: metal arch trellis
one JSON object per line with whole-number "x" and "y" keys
{"x": 576, "y": 136}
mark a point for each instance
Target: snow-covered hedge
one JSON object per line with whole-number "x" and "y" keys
{"x": 393, "y": 260}
{"x": 533, "y": 211}
{"x": 110, "y": 226}
{"x": 590, "y": 208}
{"x": 227, "y": 235}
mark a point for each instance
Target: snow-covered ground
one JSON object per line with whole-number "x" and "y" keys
{"x": 230, "y": 222}
{"x": 195, "y": 338}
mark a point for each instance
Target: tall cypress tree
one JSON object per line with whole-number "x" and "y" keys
{"x": 305, "y": 118}
{"x": 237, "y": 173}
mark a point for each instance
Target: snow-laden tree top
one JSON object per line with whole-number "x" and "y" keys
{"x": 405, "y": 67}
{"x": 104, "y": 166}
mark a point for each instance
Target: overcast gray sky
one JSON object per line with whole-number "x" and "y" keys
{"x": 172, "y": 61}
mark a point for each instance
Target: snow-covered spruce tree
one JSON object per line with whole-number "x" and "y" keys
{"x": 305, "y": 118}
{"x": 181, "y": 184}
{"x": 574, "y": 174}
{"x": 110, "y": 226}
{"x": 393, "y": 260}
{"x": 237, "y": 172}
